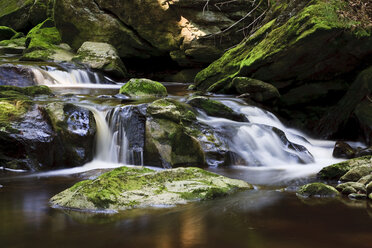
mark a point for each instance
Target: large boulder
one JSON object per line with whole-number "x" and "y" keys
{"x": 169, "y": 140}
{"x": 188, "y": 32}
{"x": 6, "y": 33}
{"x": 16, "y": 75}
{"x": 304, "y": 46}
{"x": 24, "y": 14}
{"x": 127, "y": 188}
{"x": 142, "y": 87}
{"x": 37, "y": 136}
{"x": 101, "y": 56}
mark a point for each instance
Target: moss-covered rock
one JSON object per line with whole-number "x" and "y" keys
{"x": 6, "y": 33}
{"x": 142, "y": 87}
{"x": 365, "y": 180}
{"x": 313, "y": 43}
{"x": 43, "y": 44}
{"x": 317, "y": 190}
{"x": 169, "y": 135}
{"x": 126, "y": 188}
{"x": 357, "y": 172}
{"x": 336, "y": 171}
{"x": 351, "y": 187}
{"x": 215, "y": 108}
{"x": 101, "y": 56}
{"x": 258, "y": 91}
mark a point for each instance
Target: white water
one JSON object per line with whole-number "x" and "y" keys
{"x": 262, "y": 148}
{"x": 70, "y": 78}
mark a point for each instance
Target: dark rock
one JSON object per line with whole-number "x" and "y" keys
{"x": 343, "y": 150}
{"x": 16, "y": 75}
{"x": 259, "y": 91}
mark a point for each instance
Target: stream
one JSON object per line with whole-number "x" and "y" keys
{"x": 269, "y": 216}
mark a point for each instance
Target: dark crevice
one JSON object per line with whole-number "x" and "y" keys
{"x": 113, "y": 15}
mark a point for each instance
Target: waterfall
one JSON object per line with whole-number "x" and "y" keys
{"x": 52, "y": 76}
{"x": 264, "y": 141}
{"x": 112, "y": 144}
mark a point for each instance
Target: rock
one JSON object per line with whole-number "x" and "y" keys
{"x": 76, "y": 129}
{"x": 357, "y": 196}
{"x": 101, "y": 56}
{"x": 188, "y": 33}
{"x": 343, "y": 150}
{"x": 169, "y": 136}
{"x": 42, "y": 44}
{"x": 365, "y": 180}
{"x": 363, "y": 152}
{"x": 282, "y": 54}
{"x": 127, "y": 188}
{"x": 16, "y": 75}
{"x": 258, "y": 91}
{"x": 41, "y": 136}
{"x": 356, "y": 173}
{"x": 13, "y": 46}
{"x": 354, "y": 104}
{"x": 317, "y": 190}
{"x": 351, "y": 187}
{"x": 215, "y": 108}
{"x": 369, "y": 189}
{"x": 143, "y": 88}
{"x": 24, "y": 14}
{"x": 336, "y": 171}
{"x": 6, "y": 33}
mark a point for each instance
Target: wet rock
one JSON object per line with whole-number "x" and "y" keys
{"x": 369, "y": 189}
{"x": 258, "y": 91}
{"x": 215, "y": 108}
{"x": 16, "y": 75}
{"x": 343, "y": 150}
{"x": 317, "y": 190}
{"x": 357, "y": 196}
{"x": 336, "y": 171}
{"x": 101, "y": 56}
{"x": 143, "y": 88}
{"x": 169, "y": 139}
{"x": 42, "y": 136}
{"x": 126, "y": 188}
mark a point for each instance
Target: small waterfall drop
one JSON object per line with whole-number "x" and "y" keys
{"x": 70, "y": 77}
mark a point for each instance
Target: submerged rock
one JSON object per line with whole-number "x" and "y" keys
{"x": 126, "y": 188}
{"x": 215, "y": 108}
{"x": 317, "y": 190}
{"x": 101, "y": 56}
{"x": 142, "y": 87}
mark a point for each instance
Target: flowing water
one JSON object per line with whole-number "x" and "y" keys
{"x": 267, "y": 154}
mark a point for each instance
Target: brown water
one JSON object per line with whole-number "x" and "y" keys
{"x": 258, "y": 218}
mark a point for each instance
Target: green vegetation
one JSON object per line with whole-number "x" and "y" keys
{"x": 317, "y": 190}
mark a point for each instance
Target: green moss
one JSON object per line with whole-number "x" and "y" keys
{"x": 317, "y": 190}
{"x": 18, "y": 42}
{"x": 10, "y": 6}
{"x": 22, "y": 93}
{"x": 143, "y": 87}
{"x": 336, "y": 171}
{"x": 272, "y": 39}
{"x": 125, "y": 188}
